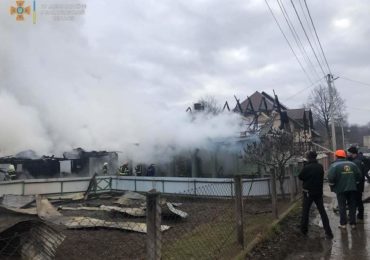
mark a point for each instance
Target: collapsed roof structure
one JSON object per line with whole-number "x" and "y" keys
{"x": 262, "y": 112}
{"x": 78, "y": 161}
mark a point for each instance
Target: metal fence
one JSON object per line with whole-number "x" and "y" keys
{"x": 170, "y": 185}
{"x": 166, "y": 218}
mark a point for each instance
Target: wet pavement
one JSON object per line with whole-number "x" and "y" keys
{"x": 347, "y": 244}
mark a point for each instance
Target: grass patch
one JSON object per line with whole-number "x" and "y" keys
{"x": 216, "y": 239}
{"x": 203, "y": 242}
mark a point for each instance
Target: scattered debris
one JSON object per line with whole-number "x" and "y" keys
{"x": 135, "y": 212}
{"x": 73, "y": 197}
{"x": 170, "y": 210}
{"x": 46, "y": 211}
{"x": 134, "y": 195}
{"x": 131, "y": 198}
{"x": 79, "y": 208}
{"x": 85, "y": 222}
{"x": 105, "y": 196}
{"x": 30, "y": 211}
{"x": 31, "y": 239}
{"x": 17, "y": 201}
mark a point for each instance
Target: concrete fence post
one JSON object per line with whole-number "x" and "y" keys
{"x": 274, "y": 194}
{"x": 239, "y": 210}
{"x": 153, "y": 226}
{"x": 291, "y": 182}
{"x": 300, "y": 188}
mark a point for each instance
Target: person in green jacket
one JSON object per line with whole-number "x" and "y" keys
{"x": 344, "y": 176}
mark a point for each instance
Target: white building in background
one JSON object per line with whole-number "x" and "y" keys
{"x": 367, "y": 141}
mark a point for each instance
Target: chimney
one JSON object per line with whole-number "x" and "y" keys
{"x": 198, "y": 107}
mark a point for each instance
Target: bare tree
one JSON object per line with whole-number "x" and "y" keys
{"x": 210, "y": 105}
{"x": 275, "y": 150}
{"x": 319, "y": 103}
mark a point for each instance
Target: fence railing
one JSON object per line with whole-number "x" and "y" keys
{"x": 169, "y": 185}
{"x": 215, "y": 218}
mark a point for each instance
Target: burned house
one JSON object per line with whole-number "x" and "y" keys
{"x": 261, "y": 110}
{"x": 29, "y": 165}
{"x": 76, "y": 162}
{"x": 86, "y": 163}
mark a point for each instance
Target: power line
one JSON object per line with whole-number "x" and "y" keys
{"x": 314, "y": 28}
{"x": 304, "y": 89}
{"x": 310, "y": 30}
{"x": 290, "y": 46}
{"x": 308, "y": 39}
{"x": 356, "y": 81}
{"x": 359, "y": 108}
{"x": 296, "y": 37}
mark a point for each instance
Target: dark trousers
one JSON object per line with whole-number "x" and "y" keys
{"x": 360, "y": 205}
{"x": 347, "y": 198}
{"x": 367, "y": 176}
{"x": 307, "y": 202}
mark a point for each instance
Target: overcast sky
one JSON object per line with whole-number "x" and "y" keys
{"x": 149, "y": 55}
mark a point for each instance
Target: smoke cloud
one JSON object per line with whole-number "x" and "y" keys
{"x": 86, "y": 84}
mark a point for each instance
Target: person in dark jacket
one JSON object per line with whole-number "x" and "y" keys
{"x": 366, "y": 162}
{"x": 151, "y": 170}
{"x": 354, "y": 157}
{"x": 312, "y": 176}
{"x": 344, "y": 176}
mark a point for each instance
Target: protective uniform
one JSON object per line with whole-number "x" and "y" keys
{"x": 105, "y": 168}
{"x": 344, "y": 176}
{"x": 11, "y": 172}
{"x": 124, "y": 170}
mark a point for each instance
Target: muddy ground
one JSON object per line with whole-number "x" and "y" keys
{"x": 205, "y": 214}
{"x": 286, "y": 241}
{"x": 115, "y": 244}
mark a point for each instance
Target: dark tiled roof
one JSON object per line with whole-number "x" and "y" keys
{"x": 297, "y": 114}
{"x": 255, "y": 101}
{"x": 259, "y": 102}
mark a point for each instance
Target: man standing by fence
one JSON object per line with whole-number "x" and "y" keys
{"x": 312, "y": 176}
{"x": 344, "y": 176}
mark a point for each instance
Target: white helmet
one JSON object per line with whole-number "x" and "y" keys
{"x": 11, "y": 168}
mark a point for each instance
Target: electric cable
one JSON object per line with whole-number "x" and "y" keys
{"x": 290, "y": 46}
{"x": 296, "y": 37}
{"x": 317, "y": 36}
{"x": 308, "y": 39}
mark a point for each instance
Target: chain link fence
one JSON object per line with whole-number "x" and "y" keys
{"x": 208, "y": 221}
{"x": 209, "y": 227}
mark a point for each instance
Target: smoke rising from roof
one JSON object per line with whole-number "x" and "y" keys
{"x": 65, "y": 86}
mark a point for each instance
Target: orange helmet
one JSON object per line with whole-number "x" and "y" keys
{"x": 340, "y": 153}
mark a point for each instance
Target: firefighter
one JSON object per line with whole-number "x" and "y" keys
{"x": 138, "y": 170}
{"x": 11, "y": 172}
{"x": 151, "y": 170}
{"x": 124, "y": 170}
{"x": 105, "y": 168}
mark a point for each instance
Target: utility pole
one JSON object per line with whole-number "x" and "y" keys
{"x": 331, "y": 112}
{"x": 341, "y": 124}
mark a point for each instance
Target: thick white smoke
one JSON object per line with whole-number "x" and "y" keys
{"x": 76, "y": 84}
